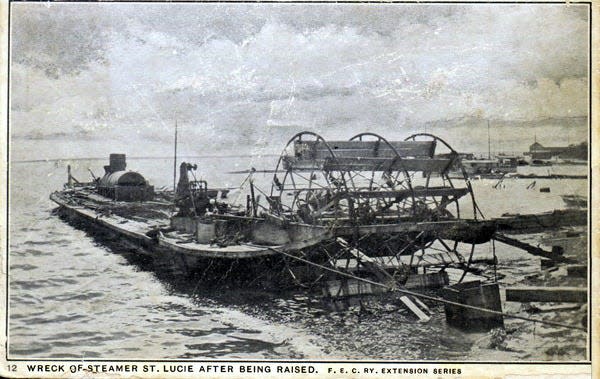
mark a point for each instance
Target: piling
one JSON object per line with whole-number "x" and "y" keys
{"x": 475, "y": 294}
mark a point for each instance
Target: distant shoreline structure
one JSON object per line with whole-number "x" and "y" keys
{"x": 144, "y": 158}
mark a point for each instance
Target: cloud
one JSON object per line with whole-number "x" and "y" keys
{"x": 238, "y": 73}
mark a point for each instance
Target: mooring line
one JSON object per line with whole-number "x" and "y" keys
{"x": 432, "y": 298}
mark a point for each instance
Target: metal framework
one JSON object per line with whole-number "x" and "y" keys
{"x": 391, "y": 206}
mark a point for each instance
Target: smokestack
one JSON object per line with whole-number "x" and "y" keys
{"x": 117, "y": 162}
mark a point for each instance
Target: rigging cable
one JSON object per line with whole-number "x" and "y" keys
{"x": 427, "y": 297}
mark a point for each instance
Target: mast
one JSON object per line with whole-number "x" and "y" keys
{"x": 489, "y": 151}
{"x": 175, "y": 161}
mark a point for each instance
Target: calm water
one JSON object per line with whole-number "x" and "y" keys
{"x": 71, "y": 295}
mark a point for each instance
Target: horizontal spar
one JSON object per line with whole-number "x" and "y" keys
{"x": 352, "y": 149}
{"x": 251, "y": 171}
{"x": 439, "y": 165}
{"x": 390, "y": 194}
{"x": 388, "y": 164}
{"x": 418, "y": 192}
{"x": 534, "y": 250}
{"x": 458, "y": 230}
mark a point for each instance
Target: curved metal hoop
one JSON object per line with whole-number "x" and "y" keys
{"x": 464, "y": 174}
{"x": 397, "y": 158}
{"x": 278, "y": 187}
{"x": 466, "y": 265}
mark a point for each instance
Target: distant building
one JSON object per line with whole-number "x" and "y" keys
{"x": 538, "y": 151}
{"x": 508, "y": 163}
{"x": 479, "y": 166}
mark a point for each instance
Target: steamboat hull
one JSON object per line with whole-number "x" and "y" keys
{"x": 252, "y": 265}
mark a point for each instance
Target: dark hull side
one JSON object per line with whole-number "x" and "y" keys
{"x": 267, "y": 272}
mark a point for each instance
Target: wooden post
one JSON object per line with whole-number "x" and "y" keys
{"x": 175, "y": 162}
{"x": 253, "y": 199}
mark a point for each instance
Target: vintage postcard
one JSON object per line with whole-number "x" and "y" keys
{"x": 323, "y": 189}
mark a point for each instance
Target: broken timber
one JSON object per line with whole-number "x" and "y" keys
{"x": 541, "y": 221}
{"x": 369, "y": 263}
{"x": 414, "y": 308}
{"x": 534, "y": 250}
{"x": 428, "y": 297}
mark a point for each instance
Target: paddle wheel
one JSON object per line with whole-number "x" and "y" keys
{"x": 390, "y": 207}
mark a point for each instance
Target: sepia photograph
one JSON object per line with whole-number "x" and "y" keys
{"x": 313, "y": 189}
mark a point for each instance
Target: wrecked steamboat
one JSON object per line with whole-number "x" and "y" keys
{"x": 353, "y": 217}
{"x": 362, "y": 199}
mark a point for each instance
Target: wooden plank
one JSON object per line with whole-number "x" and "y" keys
{"x": 421, "y": 304}
{"x": 415, "y": 309}
{"x": 446, "y": 229}
{"x": 539, "y": 308}
{"x": 396, "y": 194}
{"x": 547, "y": 294}
{"x": 393, "y": 263}
{"x": 354, "y": 149}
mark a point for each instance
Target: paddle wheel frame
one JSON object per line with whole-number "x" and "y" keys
{"x": 388, "y": 205}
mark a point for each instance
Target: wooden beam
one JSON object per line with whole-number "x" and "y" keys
{"x": 445, "y": 229}
{"x": 547, "y": 294}
{"x": 533, "y": 250}
{"x": 414, "y": 308}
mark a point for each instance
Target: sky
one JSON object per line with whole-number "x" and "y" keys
{"x": 88, "y": 79}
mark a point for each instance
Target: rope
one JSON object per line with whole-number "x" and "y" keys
{"x": 432, "y": 298}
